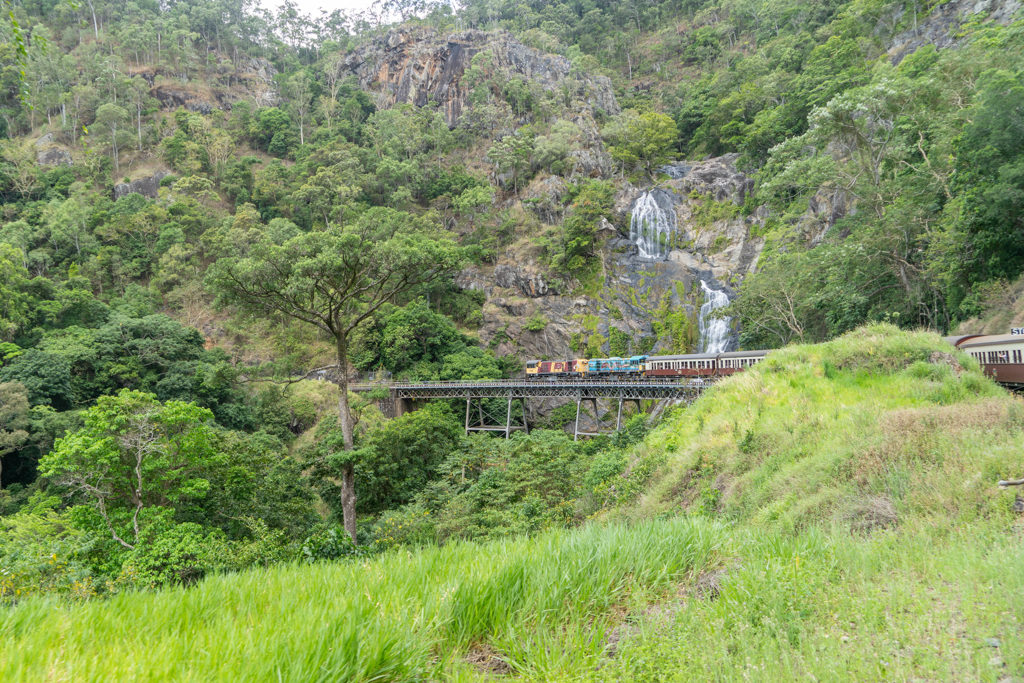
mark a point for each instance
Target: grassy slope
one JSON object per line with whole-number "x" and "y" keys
{"x": 859, "y": 535}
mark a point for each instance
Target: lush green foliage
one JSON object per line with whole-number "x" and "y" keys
{"x": 514, "y": 596}
{"x": 857, "y": 518}
{"x": 893, "y": 187}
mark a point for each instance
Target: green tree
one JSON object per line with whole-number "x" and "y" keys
{"x": 986, "y": 220}
{"x": 135, "y": 453}
{"x": 46, "y": 376}
{"x": 511, "y": 158}
{"x": 335, "y": 280}
{"x": 300, "y": 94}
{"x": 397, "y": 460}
{"x": 14, "y": 420}
{"x": 593, "y": 201}
{"x": 111, "y": 119}
{"x": 642, "y": 141}
{"x": 16, "y": 301}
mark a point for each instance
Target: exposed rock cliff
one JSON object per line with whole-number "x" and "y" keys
{"x": 252, "y": 81}
{"x": 148, "y": 187}
{"x": 49, "y": 153}
{"x": 940, "y": 27}
{"x": 530, "y": 311}
{"x": 421, "y": 66}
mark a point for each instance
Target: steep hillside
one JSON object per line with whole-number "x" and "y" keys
{"x": 831, "y": 513}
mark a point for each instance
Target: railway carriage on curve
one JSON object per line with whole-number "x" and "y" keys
{"x": 1001, "y": 355}
{"x": 734, "y": 361}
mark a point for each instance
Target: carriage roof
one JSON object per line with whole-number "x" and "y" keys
{"x": 991, "y": 340}
{"x": 687, "y": 356}
{"x": 743, "y": 354}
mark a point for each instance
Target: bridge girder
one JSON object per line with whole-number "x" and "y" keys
{"x": 517, "y": 389}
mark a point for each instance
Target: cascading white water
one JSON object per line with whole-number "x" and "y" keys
{"x": 652, "y": 224}
{"x": 714, "y": 332}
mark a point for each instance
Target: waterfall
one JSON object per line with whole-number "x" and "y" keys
{"x": 714, "y": 332}
{"x": 652, "y": 224}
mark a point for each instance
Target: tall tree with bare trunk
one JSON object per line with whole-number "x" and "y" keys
{"x": 335, "y": 279}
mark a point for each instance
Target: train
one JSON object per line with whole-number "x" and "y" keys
{"x": 696, "y": 365}
{"x": 1001, "y": 357}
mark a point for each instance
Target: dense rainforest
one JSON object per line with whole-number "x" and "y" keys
{"x": 203, "y": 202}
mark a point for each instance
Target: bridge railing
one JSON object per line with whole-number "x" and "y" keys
{"x": 518, "y": 382}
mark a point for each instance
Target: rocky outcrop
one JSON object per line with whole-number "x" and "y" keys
{"x": 49, "y": 153}
{"x": 823, "y": 210}
{"x": 172, "y": 96}
{"x": 148, "y": 187}
{"x": 716, "y": 177}
{"x": 941, "y": 27}
{"x": 726, "y": 249}
{"x": 420, "y": 66}
{"x": 252, "y": 80}
{"x": 545, "y": 197}
{"x": 528, "y": 281}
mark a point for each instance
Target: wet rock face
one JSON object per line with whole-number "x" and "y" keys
{"x": 421, "y": 66}
{"x": 726, "y": 249}
{"x": 941, "y": 26}
{"x": 148, "y": 187}
{"x": 528, "y": 311}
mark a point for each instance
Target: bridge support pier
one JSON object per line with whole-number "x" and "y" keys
{"x": 576, "y": 433}
{"x": 480, "y": 423}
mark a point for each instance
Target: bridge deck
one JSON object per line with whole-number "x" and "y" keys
{"x": 628, "y": 389}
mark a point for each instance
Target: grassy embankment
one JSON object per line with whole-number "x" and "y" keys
{"x": 858, "y": 534}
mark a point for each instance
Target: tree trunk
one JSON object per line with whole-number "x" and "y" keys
{"x": 348, "y": 479}
{"x": 95, "y": 24}
{"x": 113, "y": 138}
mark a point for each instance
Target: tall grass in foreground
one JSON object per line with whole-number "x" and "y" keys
{"x": 543, "y": 604}
{"x": 924, "y": 604}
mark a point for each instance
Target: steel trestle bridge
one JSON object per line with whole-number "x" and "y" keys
{"x": 403, "y": 394}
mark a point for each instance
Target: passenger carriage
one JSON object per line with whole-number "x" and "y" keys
{"x": 1001, "y": 355}
{"x": 734, "y": 361}
{"x": 689, "y": 365}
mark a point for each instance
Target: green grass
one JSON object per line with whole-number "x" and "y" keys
{"x": 861, "y": 432}
{"x": 542, "y": 606}
{"x": 893, "y": 606}
{"x": 830, "y": 515}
